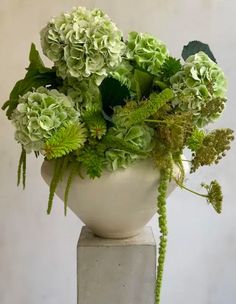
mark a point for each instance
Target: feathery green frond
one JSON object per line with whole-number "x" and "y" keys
{"x": 194, "y": 142}
{"x": 146, "y": 109}
{"x": 213, "y": 148}
{"x": 92, "y": 160}
{"x": 70, "y": 137}
{"x": 95, "y": 123}
{"x": 214, "y": 195}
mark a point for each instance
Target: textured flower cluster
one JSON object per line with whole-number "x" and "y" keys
{"x": 138, "y": 136}
{"x": 199, "y": 85}
{"x": 83, "y": 44}
{"x": 39, "y": 114}
{"x": 148, "y": 52}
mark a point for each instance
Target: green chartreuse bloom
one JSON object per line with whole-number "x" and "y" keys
{"x": 83, "y": 44}
{"x": 39, "y": 114}
{"x": 85, "y": 94}
{"x": 201, "y": 84}
{"x": 148, "y": 52}
{"x": 139, "y": 136}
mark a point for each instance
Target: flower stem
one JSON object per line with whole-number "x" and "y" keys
{"x": 189, "y": 190}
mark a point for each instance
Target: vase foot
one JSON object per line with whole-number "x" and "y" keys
{"x": 118, "y": 236}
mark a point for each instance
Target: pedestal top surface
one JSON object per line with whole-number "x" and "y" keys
{"x": 88, "y": 239}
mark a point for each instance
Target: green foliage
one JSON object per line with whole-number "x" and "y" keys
{"x": 95, "y": 123}
{"x": 60, "y": 166}
{"x": 37, "y": 75}
{"x": 214, "y": 195}
{"x": 161, "y": 210}
{"x": 212, "y": 149}
{"x": 169, "y": 68}
{"x": 70, "y": 137}
{"x": 146, "y": 109}
{"x": 72, "y": 172}
{"x": 92, "y": 160}
{"x": 194, "y": 47}
{"x": 21, "y": 172}
{"x": 194, "y": 142}
{"x": 141, "y": 84}
{"x": 113, "y": 94}
{"x": 175, "y": 130}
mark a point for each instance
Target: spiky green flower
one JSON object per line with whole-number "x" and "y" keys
{"x": 198, "y": 86}
{"x": 95, "y": 122}
{"x": 83, "y": 44}
{"x": 39, "y": 114}
{"x": 140, "y": 137}
{"x": 146, "y": 51}
{"x": 214, "y": 195}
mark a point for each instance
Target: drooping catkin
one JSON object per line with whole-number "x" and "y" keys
{"x": 161, "y": 210}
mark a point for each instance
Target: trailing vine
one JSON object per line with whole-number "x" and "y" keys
{"x": 161, "y": 210}
{"x": 21, "y": 171}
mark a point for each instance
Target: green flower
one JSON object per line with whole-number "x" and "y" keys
{"x": 83, "y": 44}
{"x": 200, "y": 87}
{"x": 39, "y": 114}
{"x": 85, "y": 94}
{"x": 124, "y": 73}
{"x": 139, "y": 136}
{"x": 148, "y": 52}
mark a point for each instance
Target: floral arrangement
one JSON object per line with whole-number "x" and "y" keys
{"x": 109, "y": 102}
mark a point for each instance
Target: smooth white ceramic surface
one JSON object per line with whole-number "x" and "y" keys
{"x": 119, "y": 203}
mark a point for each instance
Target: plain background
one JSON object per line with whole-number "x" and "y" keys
{"x": 38, "y": 252}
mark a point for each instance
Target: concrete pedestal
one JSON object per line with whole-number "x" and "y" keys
{"x": 116, "y": 271}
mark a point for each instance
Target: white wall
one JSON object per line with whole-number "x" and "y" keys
{"x": 38, "y": 252}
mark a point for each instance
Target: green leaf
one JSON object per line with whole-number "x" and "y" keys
{"x": 113, "y": 94}
{"x": 170, "y": 67}
{"x": 142, "y": 83}
{"x": 37, "y": 75}
{"x": 67, "y": 139}
{"x": 194, "y": 47}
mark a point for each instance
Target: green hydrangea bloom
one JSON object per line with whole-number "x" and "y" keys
{"x": 83, "y": 44}
{"x": 85, "y": 94}
{"x": 148, "y": 52}
{"x": 199, "y": 83}
{"x": 124, "y": 73}
{"x": 139, "y": 136}
{"x": 39, "y": 114}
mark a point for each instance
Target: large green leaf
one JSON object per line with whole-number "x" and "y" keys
{"x": 194, "y": 47}
{"x": 113, "y": 94}
{"x": 142, "y": 83}
{"x": 37, "y": 75}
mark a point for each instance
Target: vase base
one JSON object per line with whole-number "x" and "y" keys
{"x": 118, "y": 236}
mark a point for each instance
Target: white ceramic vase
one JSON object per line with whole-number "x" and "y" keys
{"x": 116, "y": 205}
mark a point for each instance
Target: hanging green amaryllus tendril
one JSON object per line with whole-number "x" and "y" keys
{"x": 161, "y": 210}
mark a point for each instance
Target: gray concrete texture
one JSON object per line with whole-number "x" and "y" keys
{"x": 38, "y": 252}
{"x": 116, "y": 271}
